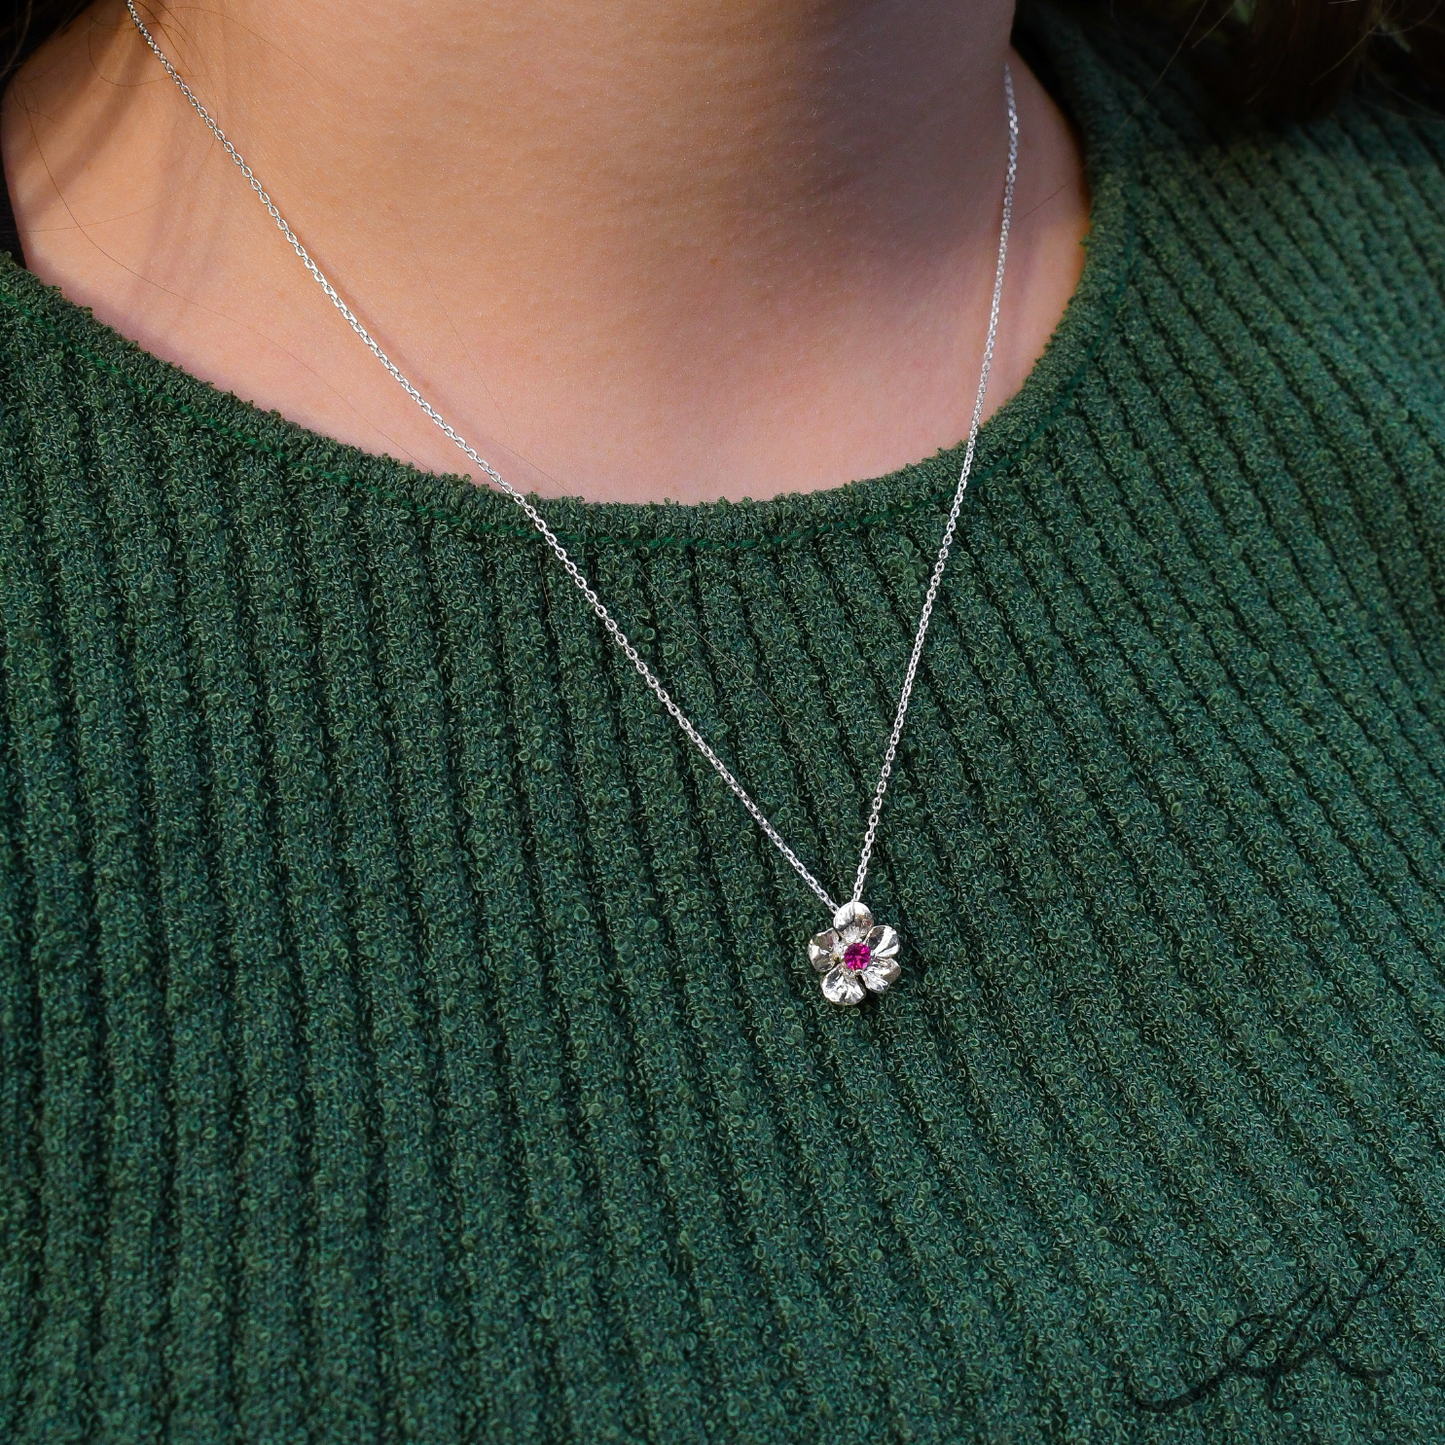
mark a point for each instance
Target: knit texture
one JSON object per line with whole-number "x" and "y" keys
{"x": 405, "y": 1036}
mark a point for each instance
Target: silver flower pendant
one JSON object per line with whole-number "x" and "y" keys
{"x": 855, "y": 956}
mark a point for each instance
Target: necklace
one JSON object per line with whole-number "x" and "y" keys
{"x": 855, "y": 956}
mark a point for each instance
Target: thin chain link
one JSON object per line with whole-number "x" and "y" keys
{"x": 946, "y": 547}
{"x": 560, "y": 552}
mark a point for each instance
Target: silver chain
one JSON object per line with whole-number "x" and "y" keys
{"x": 560, "y": 552}
{"x": 946, "y": 545}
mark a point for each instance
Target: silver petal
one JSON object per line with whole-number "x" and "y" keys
{"x": 880, "y": 973}
{"x": 883, "y": 942}
{"x": 841, "y": 986}
{"x": 821, "y": 948}
{"x": 851, "y": 915}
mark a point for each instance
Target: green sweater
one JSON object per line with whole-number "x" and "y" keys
{"x": 405, "y": 1036}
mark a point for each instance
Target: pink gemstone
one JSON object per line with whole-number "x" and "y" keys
{"x": 856, "y": 956}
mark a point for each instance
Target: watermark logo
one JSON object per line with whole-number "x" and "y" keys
{"x": 1312, "y": 1329}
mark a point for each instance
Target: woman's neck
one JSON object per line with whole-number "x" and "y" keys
{"x": 636, "y": 249}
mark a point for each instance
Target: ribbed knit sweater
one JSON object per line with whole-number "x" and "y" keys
{"x": 405, "y": 1036}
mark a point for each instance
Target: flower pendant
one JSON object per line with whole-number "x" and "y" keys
{"x": 855, "y": 956}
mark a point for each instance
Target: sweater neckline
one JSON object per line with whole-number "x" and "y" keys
{"x": 1088, "y": 91}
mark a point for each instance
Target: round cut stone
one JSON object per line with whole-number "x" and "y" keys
{"x": 856, "y": 956}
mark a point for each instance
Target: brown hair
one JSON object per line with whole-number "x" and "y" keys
{"x": 1294, "y": 59}
{"x": 1280, "y": 59}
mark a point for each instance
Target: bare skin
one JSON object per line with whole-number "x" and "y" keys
{"x": 635, "y": 250}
